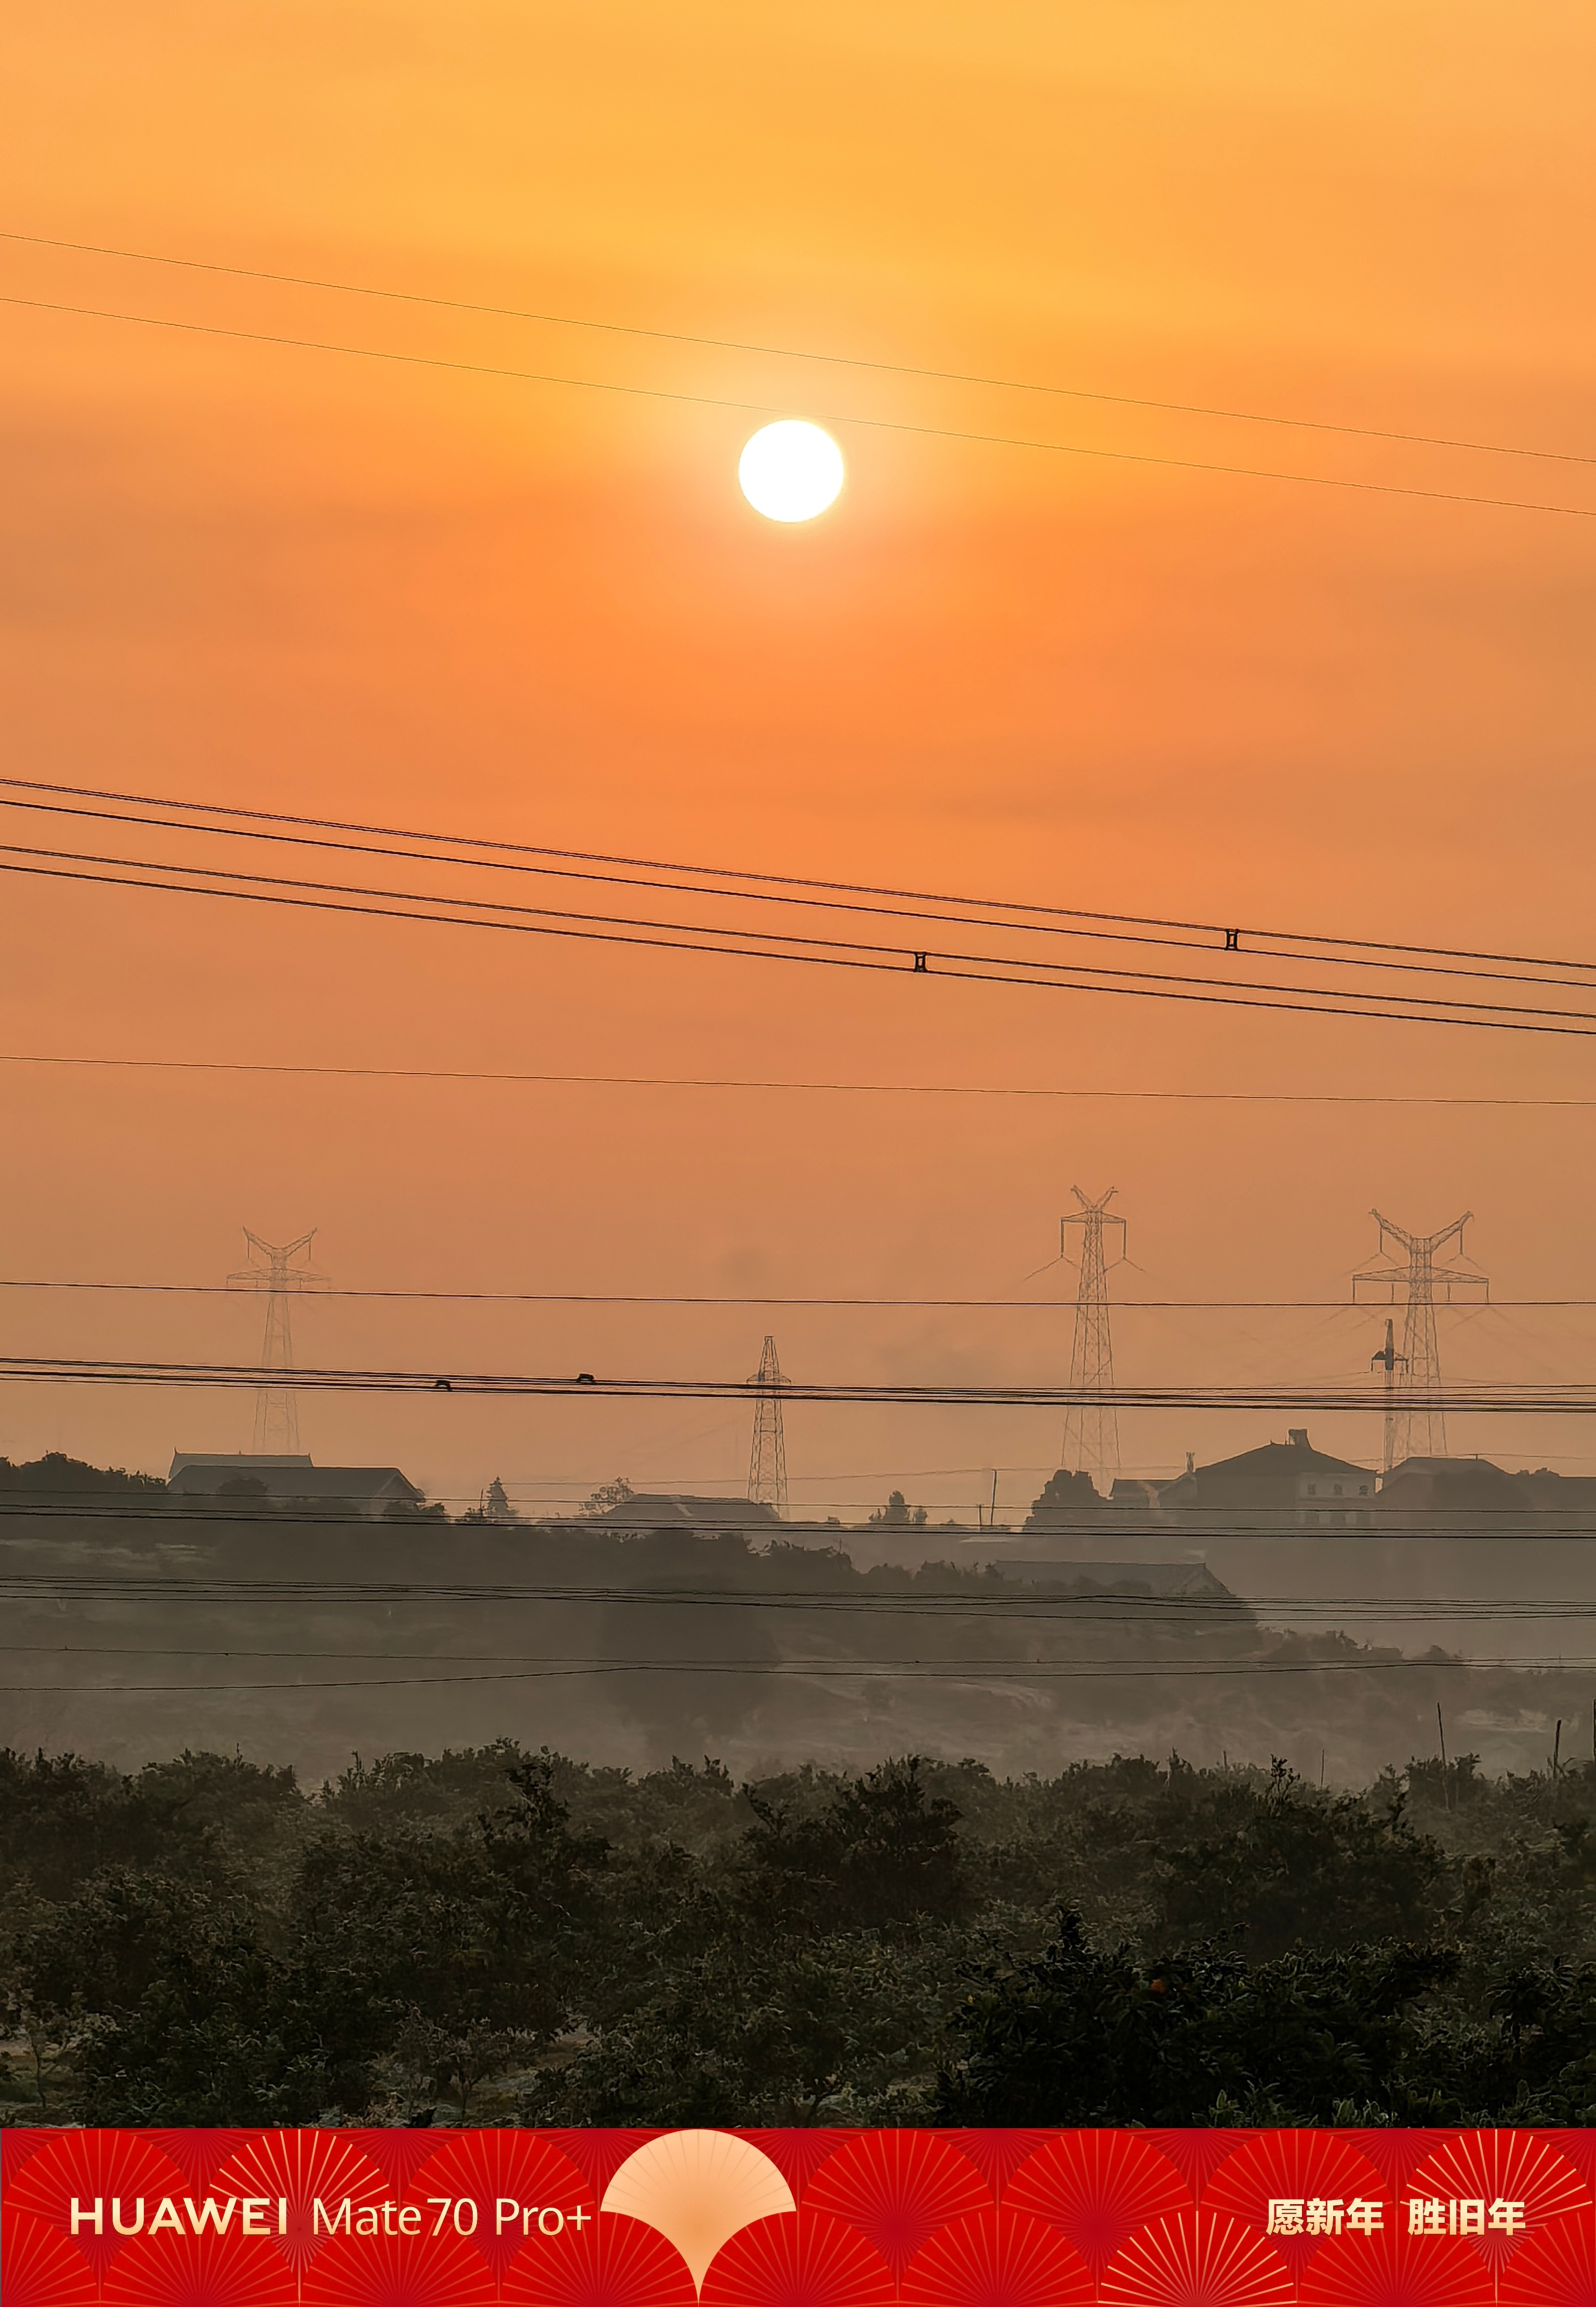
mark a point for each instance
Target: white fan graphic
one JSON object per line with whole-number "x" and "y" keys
{"x": 699, "y": 2188}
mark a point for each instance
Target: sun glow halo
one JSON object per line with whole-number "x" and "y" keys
{"x": 790, "y": 471}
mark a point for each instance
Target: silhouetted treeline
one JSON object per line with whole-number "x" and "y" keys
{"x": 55, "y": 1479}
{"x": 524, "y": 1938}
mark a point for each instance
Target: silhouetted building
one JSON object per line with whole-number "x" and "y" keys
{"x": 1137, "y": 1494}
{"x": 672, "y": 1510}
{"x": 1473, "y": 1496}
{"x": 1569, "y": 1499}
{"x": 1281, "y": 1485}
{"x": 368, "y": 1491}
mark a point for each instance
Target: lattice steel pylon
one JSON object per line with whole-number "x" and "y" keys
{"x": 280, "y": 1272}
{"x": 767, "y": 1457}
{"x": 1092, "y": 1428}
{"x": 1415, "y": 1422}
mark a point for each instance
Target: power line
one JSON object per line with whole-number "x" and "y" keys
{"x": 981, "y": 1670}
{"x": 1065, "y": 1612}
{"x": 1348, "y": 953}
{"x": 743, "y": 944}
{"x": 1221, "y": 931}
{"x": 1119, "y": 930}
{"x": 349, "y": 1515}
{"x": 969, "y": 1548}
{"x": 770, "y": 408}
{"x": 728, "y": 936}
{"x": 862, "y": 1302}
{"x": 744, "y": 896}
{"x": 797, "y": 352}
{"x": 796, "y": 1088}
{"x": 1006, "y": 1604}
{"x": 1576, "y": 1398}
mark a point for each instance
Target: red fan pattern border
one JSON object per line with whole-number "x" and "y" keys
{"x": 883, "y": 2218}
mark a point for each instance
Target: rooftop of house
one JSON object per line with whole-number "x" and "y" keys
{"x": 206, "y": 1474}
{"x": 670, "y": 1509}
{"x": 1273, "y": 1461}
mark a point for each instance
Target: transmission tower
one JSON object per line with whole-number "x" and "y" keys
{"x": 1415, "y": 1423}
{"x": 767, "y": 1458}
{"x": 1092, "y": 1428}
{"x": 280, "y": 1273}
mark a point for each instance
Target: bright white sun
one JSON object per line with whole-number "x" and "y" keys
{"x": 790, "y": 471}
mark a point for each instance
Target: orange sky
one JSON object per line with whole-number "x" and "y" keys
{"x": 308, "y": 581}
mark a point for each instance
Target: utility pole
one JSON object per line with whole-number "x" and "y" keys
{"x": 1091, "y": 1428}
{"x": 767, "y": 1457}
{"x": 1387, "y": 1359}
{"x": 1416, "y": 1425}
{"x": 280, "y": 1271}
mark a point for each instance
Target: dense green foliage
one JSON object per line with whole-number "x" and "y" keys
{"x": 525, "y": 1938}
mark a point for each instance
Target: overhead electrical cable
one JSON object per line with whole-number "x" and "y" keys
{"x": 792, "y": 352}
{"x": 856, "y": 1301}
{"x": 985, "y": 1671}
{"x": 1254, "y": 932}
{"x": 1280, "y": 944}
{"x": 833, "y": 954}
{"x": 757, "y": 945}
{"x": 758, "y": 939}
{"x": 806, "y": 1527}
{"x": 1065, "y": 1610}
{"x": 725, "y": 935}
{"x": 768, "y": 409}
{"x": 272, "y": 1069}
{"x": 1575, "y": 1398}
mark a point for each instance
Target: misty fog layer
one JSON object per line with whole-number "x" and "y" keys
{"x": 136, "y": 1631}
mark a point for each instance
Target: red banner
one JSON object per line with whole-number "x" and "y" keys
{"x": 797, "y": 2218}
